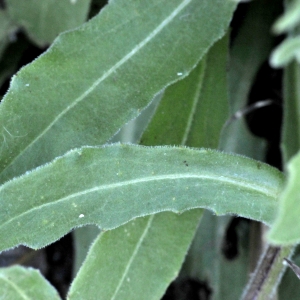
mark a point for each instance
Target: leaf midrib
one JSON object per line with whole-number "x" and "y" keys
{"x": 15, "y": 287}
{"x": 113, "y": 69}
{"x": 269, "y": 192}
{"x": 136, "y": 249}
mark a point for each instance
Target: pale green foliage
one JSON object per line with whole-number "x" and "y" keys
{"x": 221, "y": 182}
{"x": 58, "y": 173}
{"x": 19, "y": 283}
{"x": 44, "y": 20}
{"x": 286, "y": 228}
{"x": 288, "y": 23}
{"x": 140, "y": 269}
{"x": 97, "y": 69}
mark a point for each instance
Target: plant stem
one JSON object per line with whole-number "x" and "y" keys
{"x": 268, "y": 273}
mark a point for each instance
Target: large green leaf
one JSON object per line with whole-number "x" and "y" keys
{"x": 44, "y": 20}
{"x": 18, "y": 283}
{"x": 98, "y": 77}
{"x": 144, "y": 268}
{"x": 104, "y": 186}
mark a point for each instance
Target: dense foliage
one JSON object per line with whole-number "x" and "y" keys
{"x": 142, "y": 144}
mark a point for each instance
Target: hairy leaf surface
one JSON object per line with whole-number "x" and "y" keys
{"x": 110, "y": 186}
{"x": 18, "y": 283}
{"x": 147, "y": 263}
{"x": 98, "y": 77}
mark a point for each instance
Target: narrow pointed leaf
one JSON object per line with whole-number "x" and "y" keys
{"x": 98, "y": 77}
{"x": 110, "y": 186}
{"x": 18, "y": 283}
{"x": 287, "y": 51}
{"x": 44, "y": 20}
{"x": 290, "y": 19}
{"x": 116, "y": 274}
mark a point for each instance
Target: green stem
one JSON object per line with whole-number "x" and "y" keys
{"x": 268, "y": 273}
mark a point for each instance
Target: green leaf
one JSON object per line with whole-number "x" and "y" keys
{"x": 288, "y": 50}
{"x": 143, "y": 267}
{"x": 175, "y": 113}
{"x": 286, "y": 228}
{"x": 18, "y": 283}
{"x": 45, "y": 20}
{"x": 290, "y": 19}
{"x": 210, "y": 107}
{"x": 104, "y": 186}
{"x": 193, "y": 110}
{"x": 82, "y": 240}
{"x": 51, "y": 107}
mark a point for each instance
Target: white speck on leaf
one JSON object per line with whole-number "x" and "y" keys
{"x": 73, "y": 1}
{"x": 27, "y": 84}
{"x": 179, "y": 73}
{"x": 81, "y": 215}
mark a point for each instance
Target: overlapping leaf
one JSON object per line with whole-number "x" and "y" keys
{"x": 286, "y": 229}
{"x": 110, "y": 186}
{"x": 150, "y": 258}
{"x": 98, "y": 77}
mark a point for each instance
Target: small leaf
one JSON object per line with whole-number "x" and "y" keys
{"x": 286, "y": 228}
{"x": 286, "y": 52}
{"x": 45, "y": 20}
{"x": 18, "y": 283}
{"x": 112, "y": 185}
{"x": 290, "y": 19}
{"x": 6, "y": 28}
